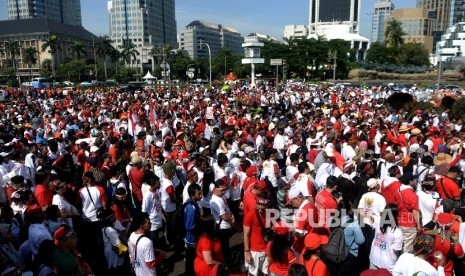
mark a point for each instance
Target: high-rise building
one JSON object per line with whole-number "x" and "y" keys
{"x": 145, "y": 24}
{"x": 457, "y": 12}
{"x": 215, "y": 35}
{"x": 439, "y": 9}
{"x": 324, "y": 12}
{"x": 63, "y": 11}
{"x": 383, "y": 10}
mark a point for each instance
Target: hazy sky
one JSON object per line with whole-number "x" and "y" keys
{"x": 247, "y": 16}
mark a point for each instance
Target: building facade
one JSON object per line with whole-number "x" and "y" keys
{"x": 323, "y": 12}
{"x": 457, "y": 12}
{"x": 382, "y": 13}
{"x": 452, "y": 43}
{"x": 145, "y": 24}
{"x": 33, "y": 33}
{"x": 296, "y": 31}
{"x": 215, "y": 35}
{"x": 441, "y": 11}
{"x": 418, "y": 25}
{"x": 63, "y": 11}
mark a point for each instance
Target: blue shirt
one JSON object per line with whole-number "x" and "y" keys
{"x": 354, "y": 237}
{"x": 191, "y": 216}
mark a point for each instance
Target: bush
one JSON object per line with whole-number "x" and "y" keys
{"x": 457, "y": 109}
{"x": 399, "y": 101}
{"x": 447, "y": 102}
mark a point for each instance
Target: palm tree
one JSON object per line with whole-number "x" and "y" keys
{"x": 393, "y": 35}
{"x": 52, "y": 44}
{"x": 78, "y": 49}
{"x": 104, "y": 49}
{"x": 128, "y": 52}
{"x": 115, "y": 55}
{"x": 13, "y": 48}
{"x": 30, "y": 57}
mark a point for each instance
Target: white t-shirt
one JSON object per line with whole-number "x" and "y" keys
{"x": 428, "y": 203}
{"x": 206, "y": 199}
{"x": 291, "y": 171}
{"x": 145, "y": 254}
{"x": 218, "y": 208}
{"x": 110, "y": 239}
{"x": 89, "y": 210}
{"x": 382, "y": 248}
{"x": 304, "y": 183}
{"x": 373, "y": 204}
{"x": 408, "y": 265}
{"x": 166, "y": 202}
{"x": 151, "y": 204}
{"x": 63, "y": 204}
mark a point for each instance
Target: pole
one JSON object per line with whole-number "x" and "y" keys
{"x": 252, "y": 81}
{"x": 209, "y": 59}
{"x": 277, "y": 77}
{"x": 95, "y": 59}
{"x": 439, "y": 72}
{"x": 334, "y": 66}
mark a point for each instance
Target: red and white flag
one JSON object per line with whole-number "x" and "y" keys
{"x": 153, "y": 116}
{"x": 132, "y": 122}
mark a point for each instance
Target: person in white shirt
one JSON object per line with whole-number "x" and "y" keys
{"x": 168, "y": 199}
{"x": 141, "y": 252}
{"x": 428, "y": 199}
{"x": 348, "y": 150}
{"x": 416, "y": 264}
{"x": 222, "y": 215}
{"x": 326, "y": 169}
{"x": 372, "y": 204}
{"x": 113, "y": 247}
{"x": 279, "y": 144}
{"x": 387, "y": 244}
{"x": 67, "y": 210}
{"x": 151, "y": 204}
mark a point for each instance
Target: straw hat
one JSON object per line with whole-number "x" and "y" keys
{"x": 442, "y": 158}
{"x": 403, "y": 128}
{"x": 415, "y": 131}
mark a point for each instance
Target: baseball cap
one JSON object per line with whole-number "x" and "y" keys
{"x": 294, "y": 192}
{"x": 372, "y": 182}
{"x": 313, "y": 241}
{"x": 248, "y": 149}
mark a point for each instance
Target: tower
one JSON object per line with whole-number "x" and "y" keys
{"x": 63, "y": 11}
{"x": 383, "y": 10}
{"x": 343, "y": 12}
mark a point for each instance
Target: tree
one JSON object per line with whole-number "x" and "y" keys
{"x": 413, "y": 54}
{"x": 128, "y": 52}
{"x": 393, "y": 35}
{"x": 104, "y": 50}
{"x": 12, "y": 48}
{"x": 52, "y": 44}
{"x": 30, "y": 57}
{"x": 78, "y": 49}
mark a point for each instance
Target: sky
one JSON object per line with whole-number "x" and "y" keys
{"x": 247, "y": 16}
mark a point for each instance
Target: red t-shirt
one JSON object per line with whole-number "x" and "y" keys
{"x": 444, "y": 245}
{"x": 280, "y": 269}
{"x": 302, "y": 218}
{"x": 205, "y": 244}
{"x": 136, "y": 177}
{"x": 247, "y": 182}
{"x": 120, "y": 214}
{"x": 249, "y": 202}
{"x": 390, "y": 191}
{"x": 447, "y": 188}
{"x": 326, "y": 205}
{"x": 407, "y": 202}
{"x": 315, "y": 267}
{"x": 43, "y": 195}
{"x": 257, "y": 243}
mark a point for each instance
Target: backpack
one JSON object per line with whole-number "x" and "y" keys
{"x": 178, "y": 220}
{"x": 336, "y": 250}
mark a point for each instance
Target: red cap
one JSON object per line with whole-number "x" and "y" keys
{"x": 313, "y": 241}
{"x": 446, "y": 219}
{"x": 251, "y": 171}
{"x": 260, "y": 184}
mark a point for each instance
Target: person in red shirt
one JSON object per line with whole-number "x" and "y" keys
{"x": 409, "y": 214}
{"x": 42, "y": 192}
{"x": 310, "y": 257}
{"x": 326, "y": 202}
{"x": 250, "y": 196}
{"x": 251, "y": 173}
{"x": 446, "y": 185}
{"x": 280, "y": 255}
{"x": 254, "y": 241}
{"x": 136, "y": 177}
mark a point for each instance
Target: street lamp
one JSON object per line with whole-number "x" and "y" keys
{"x": 188, "y": 71}
{"x": 209, "y": 59}
{"x": 332, "y": 55}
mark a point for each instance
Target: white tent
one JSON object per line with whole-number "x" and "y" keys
{"x": 149, "y": 78}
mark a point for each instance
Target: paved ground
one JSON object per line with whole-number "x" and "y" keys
{"x": 236, "y": 243}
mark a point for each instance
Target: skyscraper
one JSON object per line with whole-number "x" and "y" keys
{"x": 63, "y": 11}
{"x": 324, "y": 12}
{"x": 143, "y": 22}
{"x": 439, "y": 9}
{"x": 381, "y": 14}
{"x": 457, "y": 12}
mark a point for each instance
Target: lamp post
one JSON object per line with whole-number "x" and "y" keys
{"x": 187, "y": 72}
{"x": 332, "y": 55}
{"x": 209, "y": 59}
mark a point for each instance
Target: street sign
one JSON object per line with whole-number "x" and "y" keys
{"x": 276, "y": 61}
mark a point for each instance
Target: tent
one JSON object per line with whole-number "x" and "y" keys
{"x": 149, "y": 78}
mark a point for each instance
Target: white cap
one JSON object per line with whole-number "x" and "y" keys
{"x": 241, "y": 154}
{"x": 93, "y": 149}
{"x": 248, "y": 149}
{"x": 372, "y": 182}
{"x": 3, "y": 154}
{"x": 329, "y": 150}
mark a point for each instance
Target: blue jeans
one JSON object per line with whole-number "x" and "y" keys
{"x": 154, "y": 237}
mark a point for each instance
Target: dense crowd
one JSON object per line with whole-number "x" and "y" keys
{"x": 315, "y": 180}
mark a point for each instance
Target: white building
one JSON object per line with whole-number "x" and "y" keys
{"x": 215, "y": 35}
{"x": 343, "y": 12}
{"x": 383, "y": 10}
{"x": 296, "y": 31}
{"x": 452, "y": 43}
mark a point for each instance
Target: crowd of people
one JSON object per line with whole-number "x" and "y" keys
{"x": 314, "y": 180}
